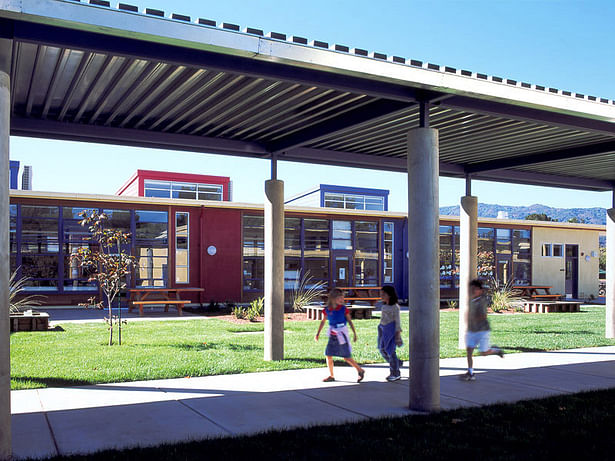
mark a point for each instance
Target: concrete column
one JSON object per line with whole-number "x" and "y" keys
{"x": 468, "y": 242}
{"x": 5, "y": 364}
{"x": 274, "y": 270}
{"x": 424, "y": 269}
{"x": 610, "y": 273}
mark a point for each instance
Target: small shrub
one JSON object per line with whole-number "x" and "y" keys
{"x": 255, "y": 309}
{"x": 453, "y": 304}
{"x": 240, "y": 312}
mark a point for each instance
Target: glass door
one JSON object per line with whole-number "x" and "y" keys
{"x": 342, "y": 267}
{"x": 572, "y": 270}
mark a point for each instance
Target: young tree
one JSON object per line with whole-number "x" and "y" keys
{"x": 109, "y": 265}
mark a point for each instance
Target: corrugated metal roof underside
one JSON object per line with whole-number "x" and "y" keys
{"x": 86, "y": 88}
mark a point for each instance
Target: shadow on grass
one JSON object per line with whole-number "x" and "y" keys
{"x": 50, "y": 381}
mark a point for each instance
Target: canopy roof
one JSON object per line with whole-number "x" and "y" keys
{"x": 90, "y": 72}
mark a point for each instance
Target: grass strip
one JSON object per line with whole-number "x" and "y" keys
{"x": 567, "y": 427}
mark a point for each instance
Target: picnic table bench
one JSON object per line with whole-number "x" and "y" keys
{"x": 179, "y": 303}
{"x": 535, "y": 292}
{"x": 167, "y": 296}
{"x": 367, "y": 294}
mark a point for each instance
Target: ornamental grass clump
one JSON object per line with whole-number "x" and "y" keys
{"x": 306, "y": 291}
{"x": 502, "y": 296}
{"x": 16, "y": 288}
{"x": 109, "y": 266}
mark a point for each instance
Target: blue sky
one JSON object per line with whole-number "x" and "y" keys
{"x": 563, "y": 44}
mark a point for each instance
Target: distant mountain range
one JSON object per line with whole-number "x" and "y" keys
{"x": 485, "y": 210}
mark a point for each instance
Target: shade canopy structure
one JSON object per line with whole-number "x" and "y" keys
{"x": 90, "y": 72}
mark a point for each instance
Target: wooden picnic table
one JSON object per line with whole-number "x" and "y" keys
{"x": 535, "y": 292}
{"x": 155, "y": 295}
{"x": 363, "y": 293}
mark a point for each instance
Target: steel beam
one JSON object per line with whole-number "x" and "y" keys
{"x": 130, "y": 137}
{"x": 528, "y": 114}
{"x": 346, "y": 120}
{"x": 541, "y": 157}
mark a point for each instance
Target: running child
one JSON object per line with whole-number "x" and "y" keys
{"x": 339, "y": 342}
{"x": 478, "y": 328}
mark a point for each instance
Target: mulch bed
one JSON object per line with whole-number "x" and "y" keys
{"x": 293, "y": 316}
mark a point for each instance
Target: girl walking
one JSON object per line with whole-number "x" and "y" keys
{"x": 339, "y": 341}
{"x": 389, "y": 332}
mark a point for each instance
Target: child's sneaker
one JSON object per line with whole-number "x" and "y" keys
{"x": 392, "y": 378}
{"x": 468, "y": 377}
{"x": 498, "y": 351}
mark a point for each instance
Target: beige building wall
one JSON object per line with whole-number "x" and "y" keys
{"x": 550, "y": 270}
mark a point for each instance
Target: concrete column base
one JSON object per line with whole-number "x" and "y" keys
{"x": 274, "y": 270}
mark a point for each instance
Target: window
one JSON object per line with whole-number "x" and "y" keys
{"x": 353, "y": 201}
{"x": 151, "y": 248}
{"x": 183, "y": 190}
{"x": 253, "y": 236}
{"x": 342, "y": 235}
{"x": 182, "y": 247}
{"x": 546, "y": 249}
{"x": 40, "y": 247}
{"x": 316, "y": 237}
{"x": 388, "y": 273}
{"x": 558, "y": 250}
{"x": 74, "y": 237}
{"x": 486, "y": 256}
{"x": 316, "y": 249}
{"x": 292, "y": 237}
{"x": 253, "y": 252}
{"x": 446, "y": 256}
{"x": 366, "y": 253}
{"x": 13, "y": 236}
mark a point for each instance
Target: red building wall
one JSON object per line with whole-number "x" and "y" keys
{"x": 221, "y": 274}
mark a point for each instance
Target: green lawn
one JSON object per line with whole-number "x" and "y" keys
{"x": 77, "y": 353}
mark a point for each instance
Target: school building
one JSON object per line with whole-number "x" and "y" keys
{"x": 346, "y": 239}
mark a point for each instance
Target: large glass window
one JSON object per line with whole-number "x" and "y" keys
{"x": 522, "y": 256}
{"x": 183, "y": 190}
{"x": 342, "y": 235}
{"x": 292, "y": 237}
{"x": 253, "y": 236}
{"x": 74, "y": 237}
{"x": 486, "y": 256}
{"x": 40, "y": 247}
{"x": 388, "y": 243}
{"x": 182, "y": 247}
{"x": 316, "y": 249}
{"x": 151, "y": 248}
{"x": 366, "y": 253}
{"x": 446, "y": 256}
{"x": 253, "y": 252}
{"x": 316, "y": 237}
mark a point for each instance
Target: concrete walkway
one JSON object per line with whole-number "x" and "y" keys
{"x": 85, "y": 419}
